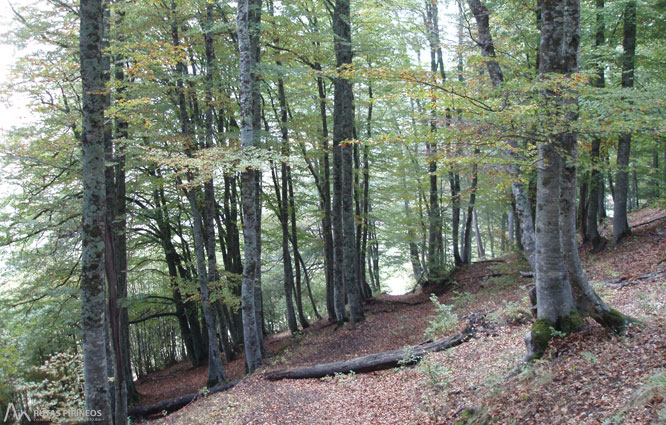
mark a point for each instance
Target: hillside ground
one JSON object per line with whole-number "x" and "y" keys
{"x": 590, "y": 377}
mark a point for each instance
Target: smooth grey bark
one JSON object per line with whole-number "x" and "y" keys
{"x": 620, "y": 223}
{"x": 587, "y": 301}
{"x": 436, "y": 272}
{"x": 281, "y": 195}
{"x": 554, "y": 297}
{"x": 117, "y": 387}
{"x": 555, "y": 302}
{"x": 216, "y": 373}
{"x": 294, "y": 244}
{"x": 480, "y": 251}
{"x": 254, "y": 15}
{"x": 595, "y": 204}
{"x": 252, "y": 328}
{"x": 93, "y": 214}
{"x": 523, "y": 208}
{"x": 343, "y": 122}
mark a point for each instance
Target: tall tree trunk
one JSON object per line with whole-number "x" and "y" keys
{"x": 325, "y": 205}
{"x": 436, "y": 272}
{"x": 118, "y": 389}
{"x": 596, "y": 178}
{"x": 122, "y": 134}
{"x": 215, "y": 369}
{"x": 562, "y": 291}
{"x": 252, "y": 328}
{"x": 523, "y": 208}
{"x": 620, "y": 223}
{"x": 342, "y": 136}
{"x": 94, "y": 206}
{"x": 281, "y": 194}
{"x": 294, "y": 243}
{"x": 467, "y": 242}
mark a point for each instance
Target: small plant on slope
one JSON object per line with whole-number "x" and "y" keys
{"x": 444, "y": 322}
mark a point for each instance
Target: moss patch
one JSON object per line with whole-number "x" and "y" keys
{"x": 614, "y": 320}
{"x": 571, "y": 322}
{"x": 542, "y": 332}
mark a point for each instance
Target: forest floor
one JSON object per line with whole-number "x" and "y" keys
{"x": 590, "y": 377}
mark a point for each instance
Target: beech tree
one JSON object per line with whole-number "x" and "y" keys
{"x": 93, "y": 294}
{"x": 563, "y": 293}
{"x": 247, "y": 21}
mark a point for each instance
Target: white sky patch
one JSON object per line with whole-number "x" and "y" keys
{"x": 13, "y": 106}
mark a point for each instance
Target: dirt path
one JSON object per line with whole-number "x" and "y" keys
{"x": 588, "y": 377}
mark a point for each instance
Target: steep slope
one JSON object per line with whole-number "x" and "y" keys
{"x": 589, "y": 377}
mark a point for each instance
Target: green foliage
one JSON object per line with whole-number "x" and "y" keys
{"x": 444, "y": 321}
{"x": 437, "y": 374}
{"x": 344, "y": 379}
{"x": 409, "y": 358}
{"x": 542, "y": 332}
{"x": 55, "y": 386}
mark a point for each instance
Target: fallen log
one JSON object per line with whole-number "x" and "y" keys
{"x": 378, "y": 361}
{"x": 649, "y": 221}
{"x": 174, "y": 404}
{"x": 622, "y": 282}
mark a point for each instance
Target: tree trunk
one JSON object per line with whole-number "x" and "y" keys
{"x": 523, "y": 208}
{"x": 436, "y": 272}
{"x": 92, "y": 165}
{"x": 215, "y": 370}
{"x": 555, "y": 306}
{"x": 174, "y": 404}
{"x": 325, "y": 203}
{"x": 596, "y": 206}
{"x": 294, "y": 243}
{"x": 562, "y": 291}
{"x": 479, "y": 243}
{"x": 281, "y": 196}
{"x": 587, "y": 301}
{"x": 252, "y": 328}
{"x": 620, "y": 223}
{"x": 342, "y": 136}
{"x": 373, "y": 362}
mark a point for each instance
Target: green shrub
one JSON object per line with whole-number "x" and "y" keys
{"x": 444, "y": 322}
{"x": 59, "y": 388}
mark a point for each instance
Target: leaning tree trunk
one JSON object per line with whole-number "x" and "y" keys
{"x": 523, "y": 209}
{"x": 92, "y": 165}
{"x": 620, "y": 223}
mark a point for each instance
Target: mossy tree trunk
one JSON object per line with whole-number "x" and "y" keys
{"x": 563, "y": 293}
